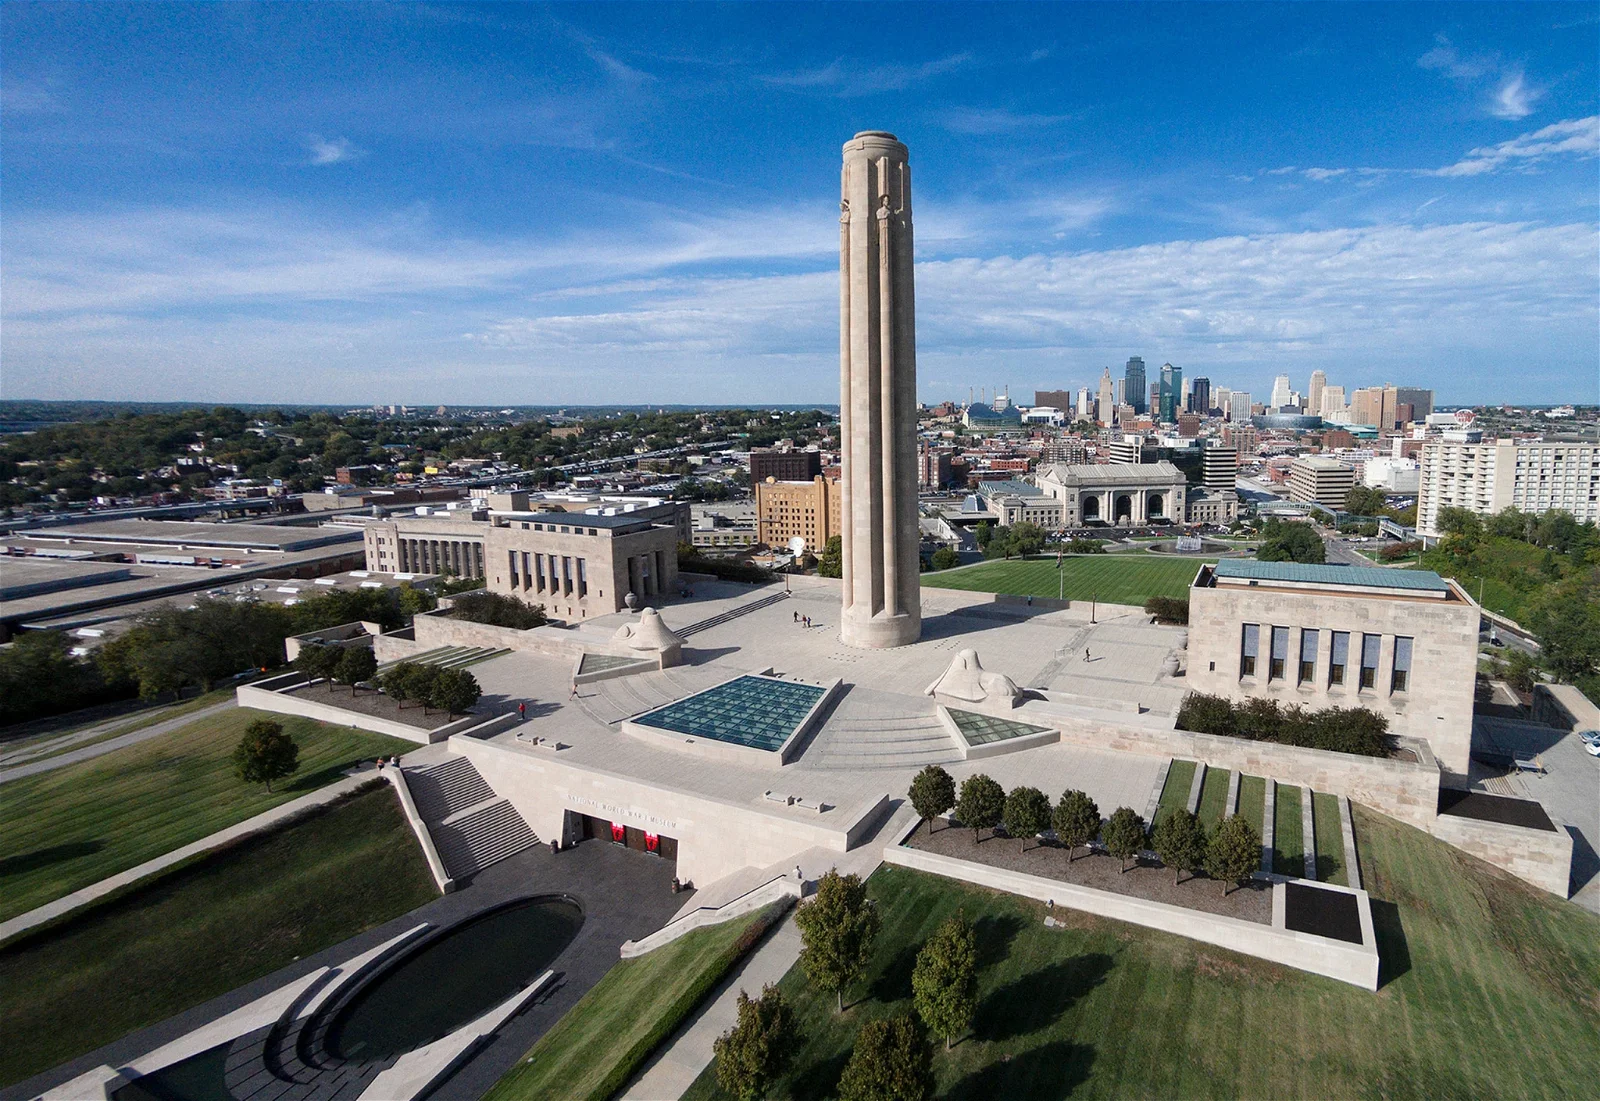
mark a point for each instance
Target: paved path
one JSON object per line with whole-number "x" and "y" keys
{"x": 89, "y": 752}
{"x": 68, "y": 903}
{"x": 673, "y": 1070}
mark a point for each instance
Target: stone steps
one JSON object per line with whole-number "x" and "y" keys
{"x": 481, "y": 836}
{"x": 447, "y": 788}
{"x": 730, "y": 614}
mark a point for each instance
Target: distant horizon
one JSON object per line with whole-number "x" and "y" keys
{"x": 488, "y": 204}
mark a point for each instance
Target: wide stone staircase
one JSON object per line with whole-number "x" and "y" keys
{"x": 730, "y": 614}
{"x": 877, "y": 730}
{"x": 471, "y": 826}
{"x": 611, "y": 701}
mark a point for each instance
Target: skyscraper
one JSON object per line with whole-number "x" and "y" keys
{"x": 1280, "y": 394}
{"x": 1106, "y": 410}
{"x": 1201, "y": 396}
{"x": 1171, "y": 393}
{"x": 1133, "y": 385}
{"x": 881, "y": 604}
{"x": 1319, "y": 379}
{"x": 1239, "y": 407}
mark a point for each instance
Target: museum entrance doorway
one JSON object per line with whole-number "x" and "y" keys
{"x": 586, "y": 827}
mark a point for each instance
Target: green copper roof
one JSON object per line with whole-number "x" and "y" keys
{"x": 1371, "y": 577}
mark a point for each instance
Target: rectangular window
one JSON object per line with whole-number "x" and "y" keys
{"x": 1369, "y": 660}
{"x": 1339, "y": 658}
{"x": 1280, "y": 653}
{"x": 538, "y": 561}
{"x": 566, "y": 575}
{"x": 583, "y": 578}
{"x": 514, "y": 575}
{"x": 1308, "y": 657}
{"x": 1249, "y": 649}
{"x": 1402, "y": 665}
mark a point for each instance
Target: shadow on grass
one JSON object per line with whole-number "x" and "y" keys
{"x": 894, "y": 981}
{"x": 1394, "y": 953}
{"x": 1050, "y": 1070}
{"x": 321, "y": 778}
{"x": 994, "y": 934}
{"x": 1035, "y": 1000}
{"x": 821, "y": 1080}
{"x": 43, "y": 858}
{"x": 1327, "y": 867}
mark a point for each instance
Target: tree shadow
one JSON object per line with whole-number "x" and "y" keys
{"x": 699, "y": 655}
{"x": 1035, "y": 1000}
{"x": 819, "y": 1081}
{"x": 1327, "y": 866}
{"x": 1394, "y": 953}
{"x": 1050, "y": 1070}
{"x": 43, "y": 858}
{"x": 894, "y": 981}
{"x": 993, "y": 935}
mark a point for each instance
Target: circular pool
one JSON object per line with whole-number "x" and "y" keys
{"x": 451, "y": 979}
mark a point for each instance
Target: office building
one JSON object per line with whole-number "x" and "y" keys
{"x": 1375, "y": 406}
{"x": 1208, "y": 506}
{"x": 1105, "y": 404}
{"x": 1421, "y": 402}
{"x": 1239, "y": 407}
{"x": 809, "y": 510}
{"x": 1331, "y": 407}
{"x": 1489, "y": 477}
{"x": 1401, "y": 643}
{"x": 1392, "y": 475}
{"x": 1280, "y": 393}
{"x": 784, "y": 464}
{"x": 1319, "y": 382}
{"x": 1200, "y": 396}
{"x": 1170, "y": 394}
{"x": 1243, "y": 438}
{"x": 933, "y": 466}
{"x": 1064, "y": 449}
{"x": 1055, "y": 399}
{"x": 1320, "y": 480}
{"x": 1134, "y": 386}
{"x": 1219, "y": 465}
{"x": 1085, "y": 407}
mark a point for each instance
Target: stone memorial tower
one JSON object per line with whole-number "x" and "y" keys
{"x": 878, "y": 396}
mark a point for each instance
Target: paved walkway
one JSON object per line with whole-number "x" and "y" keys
{"x": 61, "y": 760}
{"x": 673, "y": 1070}
{"x": 68, "y": 903}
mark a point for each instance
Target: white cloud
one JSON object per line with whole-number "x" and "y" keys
{"x": 995, "y": 120}
{"x": 1446, "y": 58}
{"x": 848, "y": 77}
{"x": 330, "y": 150}
{"x": 1514, "y": 98}
{"x": 1579, "y": 137}
{"x": 1320, "y": 174}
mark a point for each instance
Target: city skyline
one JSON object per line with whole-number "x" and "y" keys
{"x": 510, "y": 205}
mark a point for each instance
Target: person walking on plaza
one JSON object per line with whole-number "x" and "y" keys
{"x": 574, "y": 691}
{"x": 522, "y": 711}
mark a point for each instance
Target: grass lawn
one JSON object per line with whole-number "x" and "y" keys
{"x": 206, "y": 928}
{"x": 1252, "y": 800}
{"x": 1288, "y": 841}
{"x": 1213, "y": 797}
{"x": 604, "y": 1039}
{"x": 1488, "y": 992}
{"x": 68, "y": 828}
{"x": 1329, "y": 838}
{"x": 1112, "y": 579}
{"x": 1174, "y": 793}
{"x": 137, "y": 720}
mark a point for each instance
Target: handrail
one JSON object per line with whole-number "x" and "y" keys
{"x": 711, "y": 915}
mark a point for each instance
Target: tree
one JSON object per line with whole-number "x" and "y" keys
{"x": 944, "y": 982}
{"x": 933, "y": 793}
{"x": 983, "y": 533}
{"x": 1124, "y": 835}
{"x": 1026, "y": 537}
{"x": 981, "y": 805}
{"x": 945, "y": 558}
{"x": 889, "y": 1062}
{"x": 498, "y": 610}
{"x": 1234, "y": 852}
{"x": 356, "y": 664}
{"x": 454, "y": 690}
{"x": 1026, "y": 814}
{"x": 1364, "y": 501}
{"x": 831, "y": 564}
{"x": 1290, "y": 542}
{"x": 1566, "y": 621}
{"x": 1167, "y": 609}
{"x": 318, "y": 661}
{"x": 419, "y": 679}
{"x": 265, "y": 753}
{"x": 837, "y": 928}
{"x": 1076, "y": 820}
{"x": 759, "y": 1047}
{"x": 1180, "y": 841}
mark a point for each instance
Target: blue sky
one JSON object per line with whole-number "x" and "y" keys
{"x": 601, "y": 203}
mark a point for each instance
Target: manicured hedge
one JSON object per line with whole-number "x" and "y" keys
{"x": 1168, "y": 609}
{"x": 1340, "y": 729}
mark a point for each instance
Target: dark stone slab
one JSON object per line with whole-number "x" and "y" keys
{"x": 1494, "y": 808}
{"x": 1332, "y": 914}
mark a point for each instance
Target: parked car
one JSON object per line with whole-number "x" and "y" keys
{"x": 1591, "y": 742}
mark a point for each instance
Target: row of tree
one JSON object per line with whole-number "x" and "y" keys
{"x": 1340, "y": 729}
{"x": 452, "y": 691}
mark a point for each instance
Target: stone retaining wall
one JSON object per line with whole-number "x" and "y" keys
{"x": 1540, "y": 857}
{"x": 270, "y": 695}
{"x": 1563, "y": 706}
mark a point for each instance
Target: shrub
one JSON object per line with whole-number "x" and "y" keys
{"x": 1205, "y": 714}
{"x": 944, "y": 982}
{"x": 831, "y": 564}
{"x": 933, "y": 793}
{"x": 944, "y": 558}
{"x": 981, "y": 805}
{"x": 356, "y": 664}
{"x": 1168, "y": 609}
{"x": 1026, "y": 813}
{"x": 1076, "y": 820}
{"x": 759, "y": 1047}
{"x": 453, "y": 691}
{"x": 1339, "y": 729}
{"x": 1180, "y": 841}
{"x": 1124, "y": 835}
{"x": 498, "y": 610}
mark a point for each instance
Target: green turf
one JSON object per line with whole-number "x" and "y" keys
{"x": 1252, "y": 800}
{"x": 1329, "y": 838}
{"x": 1288, "y": 842}
{"x": 1488, "y": 991}
{"x": 137, "y": 721}
{"x": 1174, "y": 793}
{"x": 65, "y": 829}
{"x": 205, "y": 929}
{"x": 603, "y": 1040}
{"x": 1213, "y": 797}
{"x": 1111, "y": 579}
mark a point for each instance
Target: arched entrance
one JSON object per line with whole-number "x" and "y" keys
{"x": 1091, "y": 508}
{"x": 1123, "y": 512}
{"x": 1154, "y": 506}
